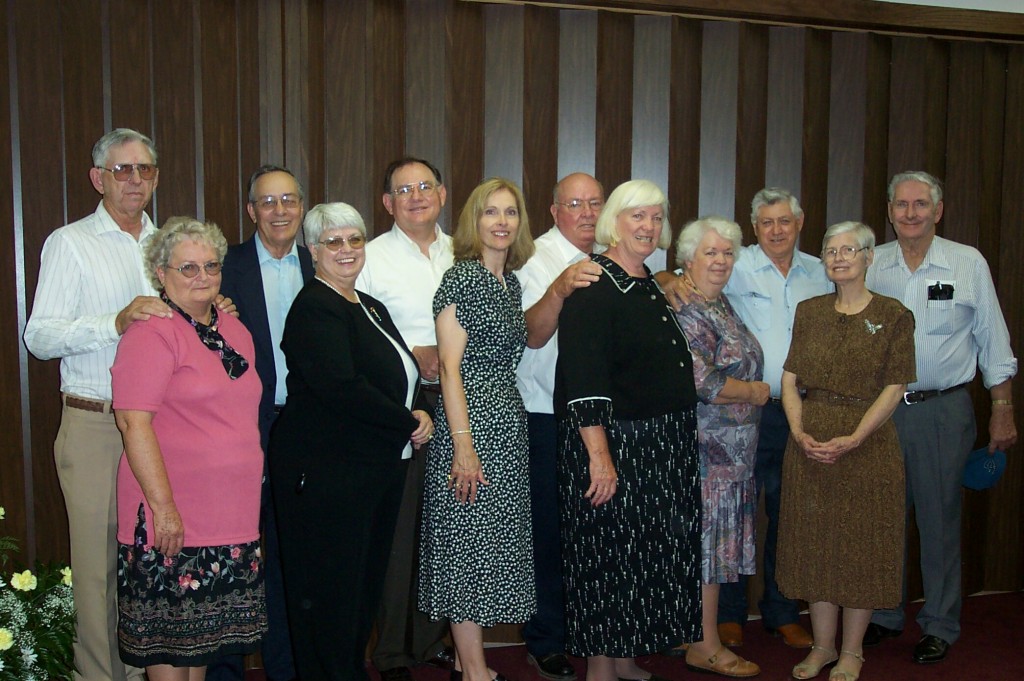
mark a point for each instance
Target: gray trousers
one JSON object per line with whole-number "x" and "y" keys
{"x": 936, "y": 436}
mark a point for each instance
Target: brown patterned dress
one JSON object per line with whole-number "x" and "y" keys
{"x": 841, "y": 526}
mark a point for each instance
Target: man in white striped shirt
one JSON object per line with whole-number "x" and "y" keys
{"x": 91, "y": 286}
{"x": 959, "y": 327}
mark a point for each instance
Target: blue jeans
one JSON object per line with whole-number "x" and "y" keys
{"x": 776, "y": 609}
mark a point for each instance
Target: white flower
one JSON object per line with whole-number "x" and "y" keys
{"x": 66, "y": 576}
{"x": 24, "y": 581}
{"x": 28, "y": 657}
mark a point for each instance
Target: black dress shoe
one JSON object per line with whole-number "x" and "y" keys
{"x": 396, "y": 674}
{"x": 444, "y": 659}
{"x": 930, "y": 649}
{"x": 876, "y": 633}
{"x": 554, "y": 666}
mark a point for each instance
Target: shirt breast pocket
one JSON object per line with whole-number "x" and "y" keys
{"x": 939, "y": 317}
{"x": 760, "y": 308}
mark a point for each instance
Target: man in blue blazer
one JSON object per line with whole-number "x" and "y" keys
{"x": 263, "y": 275}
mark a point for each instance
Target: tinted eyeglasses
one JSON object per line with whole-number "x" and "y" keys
{"x": 123, "y": 172}
{"x": 190, "y": 270}
{"x": 334, "y": 243}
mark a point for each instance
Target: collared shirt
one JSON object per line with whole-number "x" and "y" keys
{"x": 400, "y": 276}
{"x": 282, "y": 281}
{"x": 536, "y": 373}
{"x": 955, "y": 335}
{"x": 766, "y": 302}
{"x": 90, "y": 270}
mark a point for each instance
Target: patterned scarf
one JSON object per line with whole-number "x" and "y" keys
{"x": 234, "y": 364}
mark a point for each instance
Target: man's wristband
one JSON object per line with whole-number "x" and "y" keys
{"x": 1002, "y": 403}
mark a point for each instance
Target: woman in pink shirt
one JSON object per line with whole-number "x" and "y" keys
{"x": 190, "y": 583}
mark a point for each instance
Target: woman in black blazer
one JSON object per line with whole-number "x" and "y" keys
{"x": 338, "y": 451}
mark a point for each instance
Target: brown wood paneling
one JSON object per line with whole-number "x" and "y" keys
{"x": 814, "y": 178}
{"x": 217, "y": 69}
{"x": 718, "y": 95}
{"x": 751, "y": 121}
{"x": 848, "y": 105}
{"x": 684, "y": 125}
{"x": 175, "y": 124}
{"x": 387, "y": 124}
{"x": 314, "y": 141}
{"x": 540, "y": 113}
{"x": 39, "y": 115}
{"x": 465, "y": 75}
{"x": 503, "y": 92}
{"x": 250, "y": 91}
{"x": 785, "y": 117}
{"x": 876, "y": 136}
{"x": 130, "y": 44}
{"x": 613, "y": 143}
{"x": 82, "y": 82}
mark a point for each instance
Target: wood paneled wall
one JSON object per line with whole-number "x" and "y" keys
{"x": 714, "y": 109}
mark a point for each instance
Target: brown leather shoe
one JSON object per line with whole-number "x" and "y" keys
{"x": 793, "y": 635}
{"x": 731, "y": 634}
{"x": 737, "y": 669}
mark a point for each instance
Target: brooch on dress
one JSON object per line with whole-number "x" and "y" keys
{"x": 872, "y": 328}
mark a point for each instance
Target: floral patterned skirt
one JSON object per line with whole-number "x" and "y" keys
{"x": 189, "y": 609}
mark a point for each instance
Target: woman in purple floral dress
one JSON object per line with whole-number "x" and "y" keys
{"x": 727, "y": 369}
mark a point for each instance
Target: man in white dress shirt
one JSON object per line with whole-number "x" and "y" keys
{"x": 959, "y": 327}
{"x": 403, "y": 270}
{"x": 91, "y": 287}
{"x": 560, "y": 265}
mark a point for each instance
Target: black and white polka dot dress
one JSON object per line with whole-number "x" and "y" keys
{"x": 476, "y": 560}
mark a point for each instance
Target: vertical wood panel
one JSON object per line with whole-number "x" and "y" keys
{"x": 577, "y": 89}
{"x": 751, "y": 121}
{"x": 426, "y": 134}
{"x": 314, "y": 141}
{"x": 876, "y": 136}
{"x": 652, "y": 63}
{"x": 684, "y": 128}
{"x": 466, "y": 104}
{"x": 270, "y": 47}
{"x": 848, "y": 105}
{"x": 40, "y": 118}
{"x": 503, "y": 92}
{"x": 130, "y": 61}
{"x": 718, "y": 117}
{"x": 917, "y": 129}
{"x": 613, "y": 144}
{"x": 540, "y": 113}
{"x": 250, "y": 91}
{"x": 387, "y": 121}
{"x": 814, "y": 181}
{"x": 220, "y": 113}
{"x": 783, "y": 144}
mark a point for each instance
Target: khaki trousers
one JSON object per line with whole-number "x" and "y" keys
{"x": 87, "y": 451}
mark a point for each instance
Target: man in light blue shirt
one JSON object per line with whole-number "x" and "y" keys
{"x": 768, "y": 281}
{"x": 959, "y": 327}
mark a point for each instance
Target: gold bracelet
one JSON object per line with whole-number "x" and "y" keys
{"x": 460, "y": 432}
{"x": 1002, "y": 403}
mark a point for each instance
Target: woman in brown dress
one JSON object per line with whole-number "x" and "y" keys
{"x": 842, "y": 517}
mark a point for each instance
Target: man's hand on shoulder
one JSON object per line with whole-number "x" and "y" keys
{"x": 140, "y": 309}
{"x": 225, "y": 304}
{"x": 579, "y": 275}
{"x": 678, "y": 290}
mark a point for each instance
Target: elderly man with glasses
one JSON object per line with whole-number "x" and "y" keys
{"x": 91, "y": 287}
{"x": 403, "y": 269}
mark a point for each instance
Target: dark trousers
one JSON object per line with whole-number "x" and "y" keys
{"x": 544, "y": 633}
{"x": 406, "y": 636}
{"x": 776, "y": 609}
{"x": 335, "y": 538}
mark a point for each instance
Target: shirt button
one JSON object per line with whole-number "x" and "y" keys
{"x": 673, "y": 341}
{"x": 664, "y": 318}
{"x": 682, "y": 364}
{"x": 654, "y": 297}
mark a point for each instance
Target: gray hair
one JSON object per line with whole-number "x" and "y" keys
{"x": 176, "y": 230}
{"x": 694, "y": 233}
{"x": 632, "y": 194}
{"x": 265, "y": 169}
{"x": 934, "y": 185}
{"x": 769, "y": 196}
{"x": 862, "y": 234}
{"x": 115, "y": 138}
{"x": 556, "y": 193}
{"x": 324, "y": 216}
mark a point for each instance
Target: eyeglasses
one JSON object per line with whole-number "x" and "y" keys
{"x": 269, "y": 202}
{"x": 334, "y": 243}
{"x": 123, "y": 172}
{"x": 405, "y": 191}
{"x": 190, "y": 270}
{"x": 846, "y": 251}
{"x": 577, "y": 205}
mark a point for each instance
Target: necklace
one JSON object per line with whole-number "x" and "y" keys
{"x": 333, "y": 287}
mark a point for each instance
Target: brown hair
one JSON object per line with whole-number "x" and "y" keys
{"x": 466, "y": 240}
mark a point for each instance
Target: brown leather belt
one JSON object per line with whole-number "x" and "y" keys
{"x": 82, "y": 403}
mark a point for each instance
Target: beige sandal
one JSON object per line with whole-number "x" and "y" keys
{"x": 843, "y": 675}
{"x": 806, "y": 670}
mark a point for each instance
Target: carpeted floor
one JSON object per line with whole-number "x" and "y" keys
{"x": 991, "y": 648}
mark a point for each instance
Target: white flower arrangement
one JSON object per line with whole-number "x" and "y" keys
{"x": 37, "y": 621}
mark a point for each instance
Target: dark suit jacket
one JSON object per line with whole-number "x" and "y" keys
{"x": 346, "y": 392}
{"x": 242, "y": 281}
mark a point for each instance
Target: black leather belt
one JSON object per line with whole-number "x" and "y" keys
{"x": 431, "y": 388}
{"x": 916, "y": 396}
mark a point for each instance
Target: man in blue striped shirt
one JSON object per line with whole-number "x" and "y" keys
{"x": 959, "y": 328}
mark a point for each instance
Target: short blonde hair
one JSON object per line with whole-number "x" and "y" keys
{"x": 466, "y": 240}
{"x": 176, "y": 230}
{"x": 632, "y": 194}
